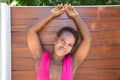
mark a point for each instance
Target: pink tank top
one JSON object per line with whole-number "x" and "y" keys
{"x": 43, "y": 71}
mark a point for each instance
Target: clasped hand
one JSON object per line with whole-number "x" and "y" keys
{"x": 60, "y": 9}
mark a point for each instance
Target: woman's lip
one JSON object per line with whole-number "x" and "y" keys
{"x": 61, "y": 49}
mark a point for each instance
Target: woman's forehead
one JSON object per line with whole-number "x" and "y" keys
{"x": 66, "y": 33}
{"x": 68, "y": 36}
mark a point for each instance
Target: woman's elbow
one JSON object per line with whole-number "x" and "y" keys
{"x": 88, "y": 39}
{"x": 30, "y": 30}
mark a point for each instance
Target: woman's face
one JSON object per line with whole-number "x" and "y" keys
{"x": 64, "y": 43}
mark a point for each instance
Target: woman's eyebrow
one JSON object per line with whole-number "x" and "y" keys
{"x": 62, "y": 37}
{"x": 70, "y": 44}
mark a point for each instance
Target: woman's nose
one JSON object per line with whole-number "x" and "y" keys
{"x": 65, "y": 46}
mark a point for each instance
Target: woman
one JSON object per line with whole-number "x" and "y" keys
{"x": 59, "y": 65}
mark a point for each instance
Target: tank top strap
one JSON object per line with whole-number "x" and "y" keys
{"x": 67, "y": 68}
{"x": 43, "y": 70}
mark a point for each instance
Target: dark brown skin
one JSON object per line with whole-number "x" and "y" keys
{"x": 63, "y": 44}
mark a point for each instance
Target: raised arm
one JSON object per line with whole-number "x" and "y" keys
{"x": 33, "y": 40}
{"x": 84, "y": 46}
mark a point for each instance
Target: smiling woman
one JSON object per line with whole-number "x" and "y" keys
{"x": 64, "y": 43}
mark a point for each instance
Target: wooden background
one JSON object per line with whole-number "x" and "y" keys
{"x": 103, "y": 60}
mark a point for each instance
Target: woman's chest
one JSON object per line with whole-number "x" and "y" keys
{"x": 55, "y": 71}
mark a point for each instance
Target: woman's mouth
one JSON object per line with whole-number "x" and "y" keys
{"x": 61, "y": 49}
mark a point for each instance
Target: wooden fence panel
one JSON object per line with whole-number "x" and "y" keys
{"x": 103, "y": 60}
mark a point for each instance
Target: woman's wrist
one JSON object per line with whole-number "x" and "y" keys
{"x": 75, "y": 17}
{"x": 51, "y": 16}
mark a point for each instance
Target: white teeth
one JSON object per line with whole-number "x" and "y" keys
{"x": 61, "y": 49}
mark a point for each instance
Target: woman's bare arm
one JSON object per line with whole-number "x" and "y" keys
{"x": 84, "y": 47}
{"x": 34, "y": 42}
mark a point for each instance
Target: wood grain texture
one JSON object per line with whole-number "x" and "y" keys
{"x": 97, "y": 51}
{"x": 81, "y": 74}
{"x": 48, "y": 37}
{"x": 97, "y": 12}
{"x": 103, "y": 59}
{"x": 23, "y": 75}
{"x": 90, "y": 63}
{"x": 93, "y": 25}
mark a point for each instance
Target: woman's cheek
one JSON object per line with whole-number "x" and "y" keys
{"x": 70, "y": 49}
{"x": 57, "y": 45}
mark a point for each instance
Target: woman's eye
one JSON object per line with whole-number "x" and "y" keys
{"x": 62, "y": 41}
{"x": 70, "y": 45}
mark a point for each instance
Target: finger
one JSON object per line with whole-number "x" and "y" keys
{"x": 61, "y": 5}
{"x": 66, "y": 6}
{"x": 70, "y": 7}
{"x": 67, "y": 11}
{"x": 58, "y": 6}
{"x": 62, "y": 9}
